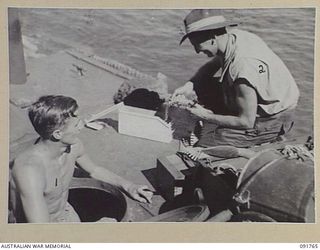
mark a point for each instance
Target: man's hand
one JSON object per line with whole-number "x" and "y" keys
{"x": 200, "y": 111}
{"x": 186, "y": 90}
{"x": 140, "y": 193}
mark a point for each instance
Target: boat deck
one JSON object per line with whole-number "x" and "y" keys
{"x": 130, "y": 157}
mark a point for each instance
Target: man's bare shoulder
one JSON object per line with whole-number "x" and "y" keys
{"x": 29, "y": 160}
{"x": 28, "y": 172}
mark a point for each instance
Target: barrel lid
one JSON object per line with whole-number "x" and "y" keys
{"x": 255, "y": 163}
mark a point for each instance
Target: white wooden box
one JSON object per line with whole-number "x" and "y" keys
{"x": 144, "y": 124}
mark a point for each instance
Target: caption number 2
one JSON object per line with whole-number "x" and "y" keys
{"x": 261, "y": 69}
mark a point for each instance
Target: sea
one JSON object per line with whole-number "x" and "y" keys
{"x": 148, "y": 40}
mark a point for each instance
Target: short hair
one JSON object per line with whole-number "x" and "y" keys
{"x": 50, "y": 113}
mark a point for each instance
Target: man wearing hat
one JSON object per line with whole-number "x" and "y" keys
{"x": 253, "y": 100}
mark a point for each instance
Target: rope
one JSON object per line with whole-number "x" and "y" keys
{"x": 299, "y": 152}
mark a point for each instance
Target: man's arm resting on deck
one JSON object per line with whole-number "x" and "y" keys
{"x": 246, "y": 100}
{"x": 30, "y": 184}
{"x": 140, "y": 193}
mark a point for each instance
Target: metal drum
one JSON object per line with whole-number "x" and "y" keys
{"x": 94, "y": 200}
{"x": 282, "y": 189}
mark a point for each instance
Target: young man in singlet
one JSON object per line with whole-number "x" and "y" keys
{"x": 41, "y": 175}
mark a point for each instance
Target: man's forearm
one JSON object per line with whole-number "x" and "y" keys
{"x": 107, "y": 176}
{"x": 229, "y": 121}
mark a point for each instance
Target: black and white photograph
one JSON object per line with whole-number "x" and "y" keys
{"x": 161, "y": 115}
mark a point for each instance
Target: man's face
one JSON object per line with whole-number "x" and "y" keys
{"x": 71, "y": 129}
{"x": 204, "y": 44}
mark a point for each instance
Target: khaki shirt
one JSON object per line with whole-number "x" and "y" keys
{"x": 265, "y": 71}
